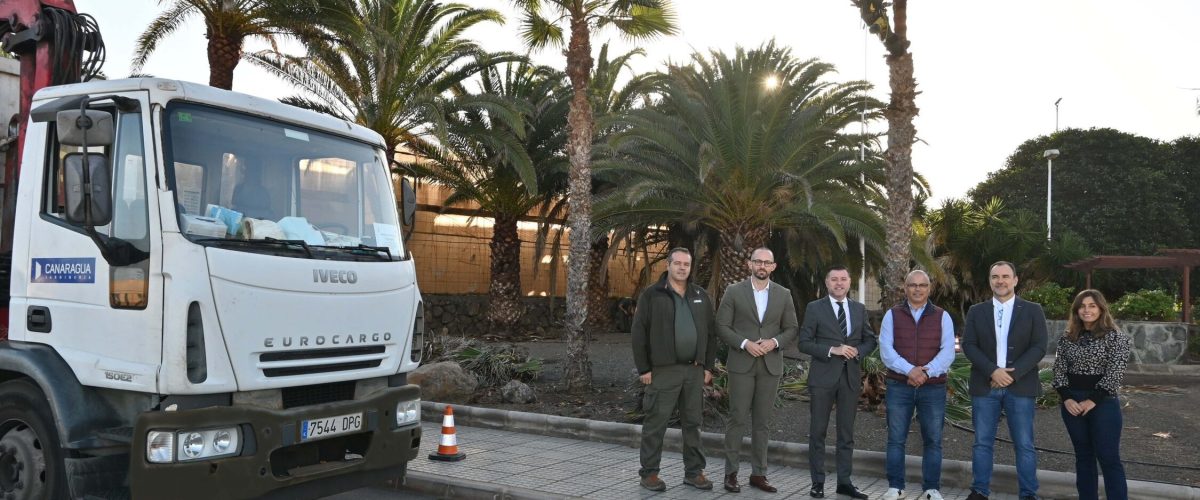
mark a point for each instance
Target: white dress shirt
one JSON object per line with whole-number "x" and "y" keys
{"x": 1002, "y": 329}
{"x": 846, "y": 306}
{"x": 760, "y": 303}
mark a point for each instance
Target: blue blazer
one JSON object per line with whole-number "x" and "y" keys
{"x": 1026, "y": 346}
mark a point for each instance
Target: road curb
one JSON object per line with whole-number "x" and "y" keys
{"x": 955, "y": 473}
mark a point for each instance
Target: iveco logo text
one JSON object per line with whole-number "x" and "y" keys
{"x": 320, "y": 340}
{"x": 334, "y": 276}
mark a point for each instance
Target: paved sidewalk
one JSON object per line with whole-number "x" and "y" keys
{"x": 517, "y": 455}
{"x": 518, "y": 465}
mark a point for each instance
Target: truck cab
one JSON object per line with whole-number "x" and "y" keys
{"x": 213, "y": 295}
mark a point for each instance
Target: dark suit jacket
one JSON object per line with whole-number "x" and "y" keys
{"x": 653, "y": 326}
{"x": 737, "y": 320}
{"x": 1026, "y": 346}
{"x": 820, "y": 332}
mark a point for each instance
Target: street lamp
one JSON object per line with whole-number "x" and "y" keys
{"x": 1049, "y": 155}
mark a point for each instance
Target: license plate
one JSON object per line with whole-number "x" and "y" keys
{"x": 331, "y": 426}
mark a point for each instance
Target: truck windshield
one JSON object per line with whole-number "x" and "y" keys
{"x": 252, "y": 184}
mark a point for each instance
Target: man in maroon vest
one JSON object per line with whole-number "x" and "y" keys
{"x": 916, "y": 342}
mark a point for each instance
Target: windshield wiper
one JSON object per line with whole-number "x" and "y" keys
{"x": 358, "y": 250}
{"x": 267, "y": 242}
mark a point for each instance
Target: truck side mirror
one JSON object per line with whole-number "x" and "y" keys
{"x": 408, "y": 199}
{"x": 86, "y": 176}
{"x": 92, "y": 197}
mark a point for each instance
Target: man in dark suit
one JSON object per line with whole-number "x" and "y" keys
{"x": 757, "y": 316}
{"x": 674, "y": 349}
{"x": 1004, "y": 338}
{"x": 836, "y": 334}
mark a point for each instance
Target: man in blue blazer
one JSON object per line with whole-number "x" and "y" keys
{"x": 836, "y": 334}
{"x": 1004, "y": 338}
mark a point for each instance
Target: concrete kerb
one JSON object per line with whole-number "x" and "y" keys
{"x": 955, "y": 473}
{"x": 453, "y": 487}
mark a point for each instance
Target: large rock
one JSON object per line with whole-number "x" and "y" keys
{"x": 517, "y": 392}
{"x": 444, "y": 382}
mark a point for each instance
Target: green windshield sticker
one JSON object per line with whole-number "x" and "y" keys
{"x": 184, "y": 117}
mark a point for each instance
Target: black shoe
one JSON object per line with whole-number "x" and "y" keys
{"x": 817, "y": 491}
{"x": 975, "y": 495}
{"x": 850, "y": 491}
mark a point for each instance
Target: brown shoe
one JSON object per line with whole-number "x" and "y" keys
{"x": 761, "y": 483}
{"x": 731, "y": 484}
{"x": 653, "y": 483}
{"x": 698, "y": 481}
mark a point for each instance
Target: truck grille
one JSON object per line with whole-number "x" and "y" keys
{"x": 310, "y": 361}
{"x": 308, "y": 395}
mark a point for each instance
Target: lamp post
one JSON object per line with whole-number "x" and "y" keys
{"x": 1049, "y": 155}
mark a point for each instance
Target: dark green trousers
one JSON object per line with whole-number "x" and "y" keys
{"x": 751, "y": 400}
{"x": 671, "y": 387}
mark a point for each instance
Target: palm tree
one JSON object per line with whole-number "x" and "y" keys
{"x": 228, "y": 23}
{"x": 901, "y": 134}
{"x": 507, "y": 173}
{"x": 541, "y": 27}
{"x": 728, "y": 152}
{"x": 608, "y": 100}
{"x": 392, "y": 66}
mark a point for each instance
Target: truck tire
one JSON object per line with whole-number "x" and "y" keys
{"x": 31, "y": 460}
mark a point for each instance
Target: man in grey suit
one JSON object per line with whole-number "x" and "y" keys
{"x": 836, "y": 334}
{"x": 1004, "y": 338}
{"x": 756, "y": 317}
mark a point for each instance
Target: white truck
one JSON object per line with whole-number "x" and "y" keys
{"x": 210, "y": 298}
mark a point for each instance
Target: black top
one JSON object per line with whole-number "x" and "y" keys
{"x": 1092, "y": 364}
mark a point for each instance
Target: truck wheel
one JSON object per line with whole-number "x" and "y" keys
{"x": 31, "y": 461}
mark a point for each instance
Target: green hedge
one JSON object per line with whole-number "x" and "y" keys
{"x": 1146, "y": 305}
{"x": 1055, "y": 300}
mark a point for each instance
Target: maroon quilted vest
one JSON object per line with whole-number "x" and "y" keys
{"x": 917, "y": 342}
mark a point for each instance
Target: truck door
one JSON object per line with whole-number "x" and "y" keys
{"x": 101, "y": 319}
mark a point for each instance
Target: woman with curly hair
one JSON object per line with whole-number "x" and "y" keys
{"x": 1089, "y": 365}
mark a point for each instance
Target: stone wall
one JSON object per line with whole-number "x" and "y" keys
{"x": 466, "y": 315}
{"x": 1154, "y": 343}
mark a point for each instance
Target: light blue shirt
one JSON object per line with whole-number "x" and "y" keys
{"x": 940, "y": 363}
{"x": 1002, "y": 328}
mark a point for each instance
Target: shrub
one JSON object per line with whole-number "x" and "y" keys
{"x": 1055, "y": 300}
{"x": 1146, "y": 305}
{"x": 493, "y": 364}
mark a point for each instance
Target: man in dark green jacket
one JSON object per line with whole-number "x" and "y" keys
{"x": 674, "y": 348}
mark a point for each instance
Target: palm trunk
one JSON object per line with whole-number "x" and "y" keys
{"x": 901, "y": 136}
{"x": 578, "y": 370}
{"x": 736, "y": 247}
{"x": 224, "y": 53}
{"x": 598, "y": 318}
{"x": 504, "y": 293}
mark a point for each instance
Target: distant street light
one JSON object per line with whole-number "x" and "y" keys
{"x": 1056, "y": 113}
{"x": 1049, "y": 155}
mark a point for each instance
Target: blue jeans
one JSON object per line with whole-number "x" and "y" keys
{"x": 1097, "y": 436}
{"x": 985, "y": 416}
{"x": 929, "y": 401}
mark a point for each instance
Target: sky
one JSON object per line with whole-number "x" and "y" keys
{"x": 989, "y": 73}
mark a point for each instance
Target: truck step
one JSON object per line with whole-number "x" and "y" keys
{"x": 118, "y": 434}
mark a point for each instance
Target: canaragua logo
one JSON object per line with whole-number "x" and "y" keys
{"x": 64, "y": 270}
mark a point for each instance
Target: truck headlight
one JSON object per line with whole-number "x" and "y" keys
{"x": 207, "y": 444}
{"x": 160, "y": 447}
{"x": 408, "y": 412}
{"x": 168, "y": 446}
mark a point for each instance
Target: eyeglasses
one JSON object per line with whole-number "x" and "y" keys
{"x": 763, "y": 262}
{"x": 917, "y": 285}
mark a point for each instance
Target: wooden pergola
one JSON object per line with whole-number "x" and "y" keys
{"x": 1183, "y": 259}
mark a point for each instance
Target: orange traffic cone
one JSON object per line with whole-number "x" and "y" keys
{"x": 448, "y": 447}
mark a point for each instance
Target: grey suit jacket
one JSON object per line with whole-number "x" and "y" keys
{"x": 737, "y": 320}
{"x": 820, "y": 332}
{"x": 1026, "y": 346}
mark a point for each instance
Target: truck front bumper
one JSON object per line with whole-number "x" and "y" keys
{"x": 274, "y": 462}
